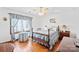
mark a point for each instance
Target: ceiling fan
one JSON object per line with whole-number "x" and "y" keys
{"x": 41, "y": 11}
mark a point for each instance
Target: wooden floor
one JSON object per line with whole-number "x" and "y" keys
{"x": 56, "y": 46}
{"x": 36, "y": 47}
{"x": 39, "y": 48}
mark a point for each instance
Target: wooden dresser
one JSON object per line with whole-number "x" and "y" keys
{"x": 62, "y": 34}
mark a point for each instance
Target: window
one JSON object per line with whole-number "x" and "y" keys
{"x": 20, "y": 26}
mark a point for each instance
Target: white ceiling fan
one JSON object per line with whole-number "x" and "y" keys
{"x": 41, "y": 11}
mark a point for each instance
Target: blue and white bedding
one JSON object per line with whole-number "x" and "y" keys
{"x": 51, "y": 38}
{"x": 41, "y": 31}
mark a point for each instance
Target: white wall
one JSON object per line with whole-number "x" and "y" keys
{"x": 5, "y": 25}
{"x": 68, "y": 16}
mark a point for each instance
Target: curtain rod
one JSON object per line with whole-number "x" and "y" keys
{"x": 20, "y": 15}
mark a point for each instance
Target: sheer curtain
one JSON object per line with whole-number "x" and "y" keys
{"x": 20, "y": 26}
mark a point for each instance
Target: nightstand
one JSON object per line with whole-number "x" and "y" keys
{"x": 64, "y": 33}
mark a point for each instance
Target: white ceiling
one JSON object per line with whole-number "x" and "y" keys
{"x": 51, "y": 10}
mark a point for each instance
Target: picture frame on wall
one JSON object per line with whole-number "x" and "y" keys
{"x": 52, "y": 20}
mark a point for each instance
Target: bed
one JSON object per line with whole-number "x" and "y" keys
{"x": 46, "y": 37}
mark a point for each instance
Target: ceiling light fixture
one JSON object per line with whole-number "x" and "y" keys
{"x": 43, "y": 11}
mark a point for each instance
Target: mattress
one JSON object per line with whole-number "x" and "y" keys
{"x": 41, "y": 31}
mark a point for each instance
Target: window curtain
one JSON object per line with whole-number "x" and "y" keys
{"x": 19, "y": 23}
